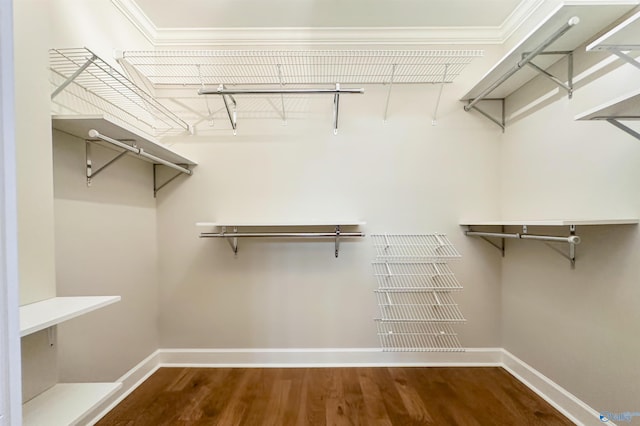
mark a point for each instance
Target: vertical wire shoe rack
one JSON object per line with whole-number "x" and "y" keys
{"x": 414, "y": 294}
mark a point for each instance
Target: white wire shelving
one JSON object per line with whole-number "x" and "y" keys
{"x": 415, "y": 276}
{"x": 413, "y": 247}
{"x": 298, "y": 67}
{"x": 416, "y": 336}
{"x": 84, "y": 84}
{"x": 414, "y": 294}
{"x": 273, "y": 82}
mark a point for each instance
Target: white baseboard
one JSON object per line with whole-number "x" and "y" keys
{"x": 332, "y": 357}
{"x": 576, "y": 410}
{"x": 562, "y": 400}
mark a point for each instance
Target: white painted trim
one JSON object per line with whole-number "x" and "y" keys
{"x": 324, "y": 36}
{"x": 564, "y": 401}
{"x": 10, "y": 362}
{"x": 325, "y": 357}
{"x": 130, "y": 382}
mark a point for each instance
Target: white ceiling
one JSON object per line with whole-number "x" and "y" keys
{"x": 327, "y": 13}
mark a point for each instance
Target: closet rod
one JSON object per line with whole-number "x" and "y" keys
{"x": 281, "y": 234}
{"x": 138, "y": 151}
{"x": 528, "y": 58}
{"x": 572, "y": 239}
{"x": 225, "y": 91}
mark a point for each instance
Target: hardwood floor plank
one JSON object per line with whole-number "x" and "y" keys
{"x": 475, "y": 396}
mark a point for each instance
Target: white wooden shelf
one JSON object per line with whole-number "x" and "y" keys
{"x": 620, "y": 39}
{"x": 624, "y": 108}
{"x": 551, "y": 222}
{"x": 569, "y": 25}
{"x": 40, "y": 315}
{"x": 66, "y": 403}
{"x": 232, "y": 236}
{"x": 79, "y": 126}
{"x": 594, "y": 16}
{"x": 571, "y": 240}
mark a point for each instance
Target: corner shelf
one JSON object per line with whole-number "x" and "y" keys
{"x": 572, "y": 239}
{"x": 559, "y": 32}
{"x": 41, "y": 315}
{"x": 620, "y": 39}
{"x": 232, "y": 237}
{"x": 126, "y": 140}
{"x": 624, "y": 108}
{"x": 66, "y": 403}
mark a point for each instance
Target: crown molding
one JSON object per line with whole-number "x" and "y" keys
{"x": 160, "y": 37}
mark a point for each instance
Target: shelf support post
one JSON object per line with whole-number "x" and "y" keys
{"x": 337, "y": 240}
{"x": 444, "y": 80}
{"x": 73, "y": 76}
{"x": 623, "y": 127}
{"x": 386, "y": 107}
{"x": 625, "y": 57}
{"x": 336, "y": 102}
{"x": 233, "y": 116}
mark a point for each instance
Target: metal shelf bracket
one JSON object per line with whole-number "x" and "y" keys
{"x": 157, "y": 186}
{"x": 499, "y": 121}
{"x": 91, "y": 172}
{"x": 572, "y": 240}
{"x": 615, "y": 121}
{"x": 566, "y": 86}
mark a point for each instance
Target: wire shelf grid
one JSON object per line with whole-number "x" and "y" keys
{"x": 213, "y": 67}
{"x": 417, "y": 337}
{"x": 395, "y": 276}
{"x": 85, "y": 84}
{"x": 418, "y": 306}
{"x": 413, "y": 246}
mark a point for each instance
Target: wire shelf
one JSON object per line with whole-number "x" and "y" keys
{"x": 84, "y": 84}
{"x": 417, "y": 337}
{"x": 418, "y": 306}
{"x": 413, "y": 247}
{"x": 213, "y": 67}
{"x": 415, "y": 277}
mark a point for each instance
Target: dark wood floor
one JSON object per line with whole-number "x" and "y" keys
{"x": 333, "y": 396}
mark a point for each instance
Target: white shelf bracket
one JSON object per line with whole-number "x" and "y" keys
{"x": 434, "y": 121}
{"x": 52, "y": 335}
{"x": 233, "y": 115}
{"x": 281, "y": 79}
{"x": 619, "y": 51}
{"x": 386, "y": 106}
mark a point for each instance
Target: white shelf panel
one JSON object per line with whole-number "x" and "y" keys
{"x": 281, "y": 224}
{"x": 66, "y": 403}
{"x": 418, "y": 307}
{"x": 625, "y": 34}
{"x": 79, "y": 126}
{"x": 40, "y": 315}
{"x": 594, "y": 17}
{"x": 407, "y": 276}
{"x": 417, "y": 337}
{"x": 552, "y": 222}
{"x": 625, "y": 107}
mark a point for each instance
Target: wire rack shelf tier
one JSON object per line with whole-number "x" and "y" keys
{"x": 424, "y": 247}
{"x": 212, "y": 67}
{"x": 83, "y": 83}
{"x": 417, "y": 337}
{"x": 396, "y": 276}
{"x": 418, "y": 306}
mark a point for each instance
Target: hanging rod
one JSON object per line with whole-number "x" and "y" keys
{"x": 519, "y": 65}
{"x": 138, "y": 151}
{"x": 221, "y": 90}
{"x": 337, "y": 234}
{"x": 572, "y": 240}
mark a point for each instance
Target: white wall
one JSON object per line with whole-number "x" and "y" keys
{"x": 578, "y": 326}
{"x": 406, "y": 176}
